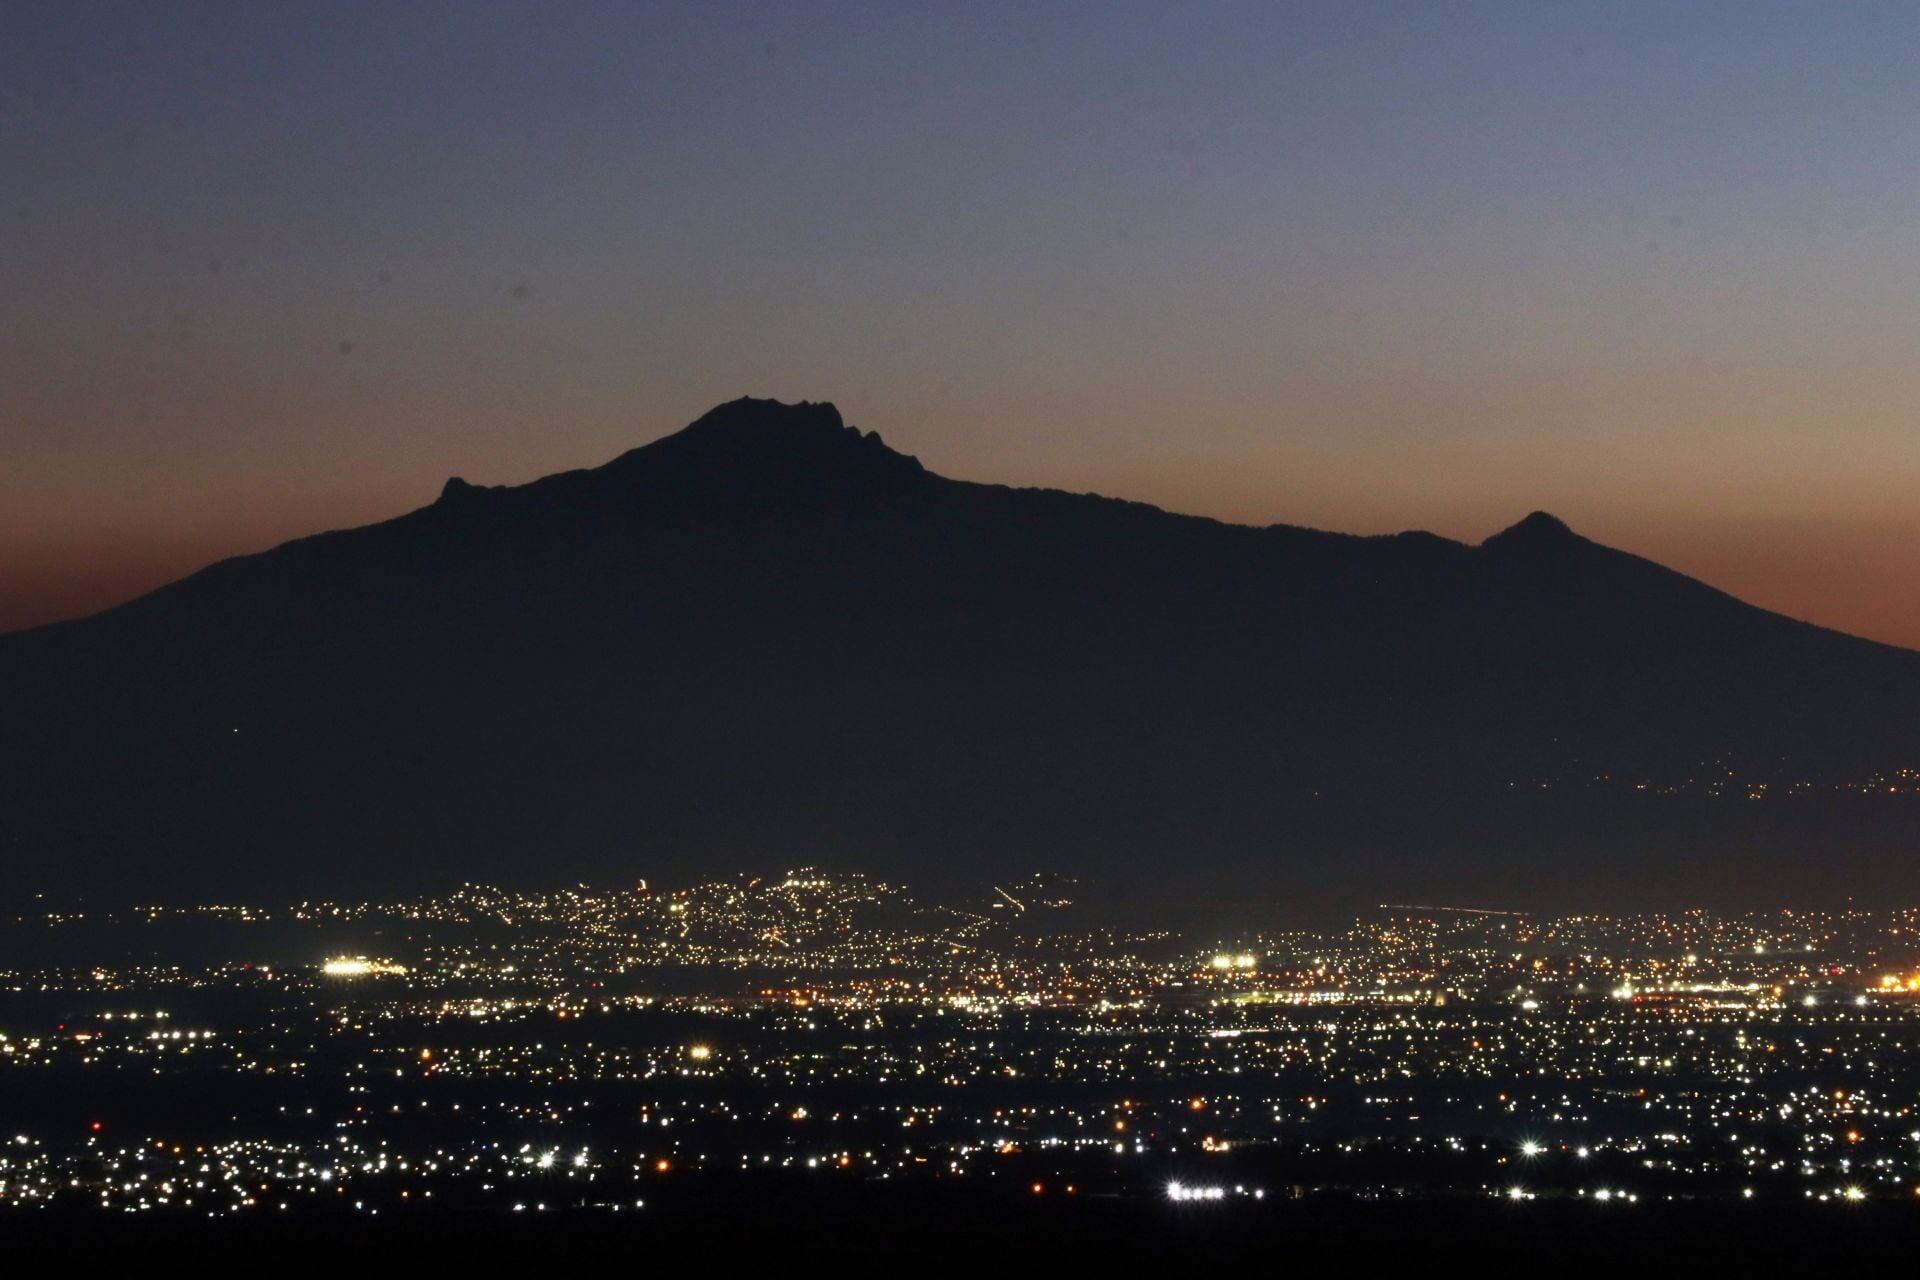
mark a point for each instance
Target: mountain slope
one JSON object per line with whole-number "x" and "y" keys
{"x": 770, "y": 638}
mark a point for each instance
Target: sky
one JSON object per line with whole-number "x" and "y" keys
{"x": 268, "y": 269}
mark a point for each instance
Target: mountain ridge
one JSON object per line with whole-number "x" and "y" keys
{"x": 770, "y": 637}
{"x": 816, "y": 432}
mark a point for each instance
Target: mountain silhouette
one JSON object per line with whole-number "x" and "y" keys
{"x": 771, "y": 639}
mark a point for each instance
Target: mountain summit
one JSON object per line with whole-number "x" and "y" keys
{"x": 771, "y": 639}
{"x": 1537, "y": 528}
{"x": 768, "y": 430}
{"x": 751, "y": 423}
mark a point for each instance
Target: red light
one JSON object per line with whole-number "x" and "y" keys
{"x": 96, "y": 1126}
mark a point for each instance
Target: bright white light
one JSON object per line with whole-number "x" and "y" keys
{"x": 358, "y": 966}
{"x": 1179, "y": 1191}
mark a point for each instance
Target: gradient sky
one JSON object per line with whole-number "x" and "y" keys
{"x": 272, "y": 268}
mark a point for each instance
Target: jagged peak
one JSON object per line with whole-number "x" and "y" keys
{"x": 458, "y": 490}
{"x": 751, "y": 417}
{"x": 749, "y": 428}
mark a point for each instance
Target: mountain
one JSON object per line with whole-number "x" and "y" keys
{"x": 771, "y": 639}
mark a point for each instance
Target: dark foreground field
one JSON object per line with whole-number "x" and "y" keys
{"x": 914, "y": 1230}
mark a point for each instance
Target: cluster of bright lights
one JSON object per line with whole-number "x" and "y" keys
{"x": 358, "y": 967}
{"x": 1184, "y": 1194}
{"x": 1245, "y": 960}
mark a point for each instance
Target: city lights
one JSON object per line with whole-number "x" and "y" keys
{"x": 564, "y": 1049}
